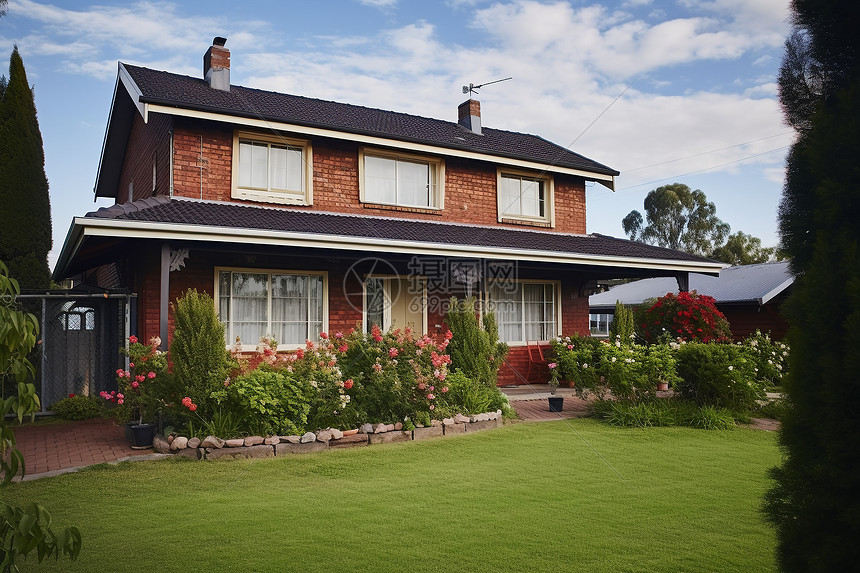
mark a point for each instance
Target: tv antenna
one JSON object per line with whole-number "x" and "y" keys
{"x": 472, "y": 88}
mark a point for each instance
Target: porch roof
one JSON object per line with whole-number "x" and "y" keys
{"x": 178, "y": 219}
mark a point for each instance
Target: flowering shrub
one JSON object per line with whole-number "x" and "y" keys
{"x": 720, "y": 375}
{"x": 770, "y": 357}
{"x": 627, "y": 370}
{"x": 137, "y": 395}
{"x": 687, "y": 315}
{"x": 266, "y": 401}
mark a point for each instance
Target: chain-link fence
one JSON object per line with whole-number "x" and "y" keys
{"x": 81, "y": 338}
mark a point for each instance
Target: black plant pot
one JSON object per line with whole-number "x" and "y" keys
{"x": 556, "y": 403}
{"x": 143, "y": 435}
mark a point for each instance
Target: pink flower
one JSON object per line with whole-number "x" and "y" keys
{"x": 140, "y": 377}
{"x": 300, "y": 354}
{"x": 132, "y": 339}
{"x": 120, "y": 396}
{"x": 120, "y": 401}
{"x": 421, "y": 385}
{"x": 432, "y": 407}
{"x": 135, "y": 384}
{"x": 192, "y": 407}
{"x": 432, "y": 388}
{"x": 323, "y": 335}
{"x": 392, "y": 352}
{"x": 343, "y": 348}
{"x": 449, "y": 335}
{"x": 186, "y": 401}
{"x": 377, "y": 367}
{"x": 348, "y": 383}
{"x": 440, "y": 374}
{"x": 444, "y": 389}
{"x": 552, "y": 365}
{"x": 151, "y": 375}
{"x": 120, "y": 372}
{"x": 570, "y": 346}
{"x": 155, "y": 341}
{"x": 131, "y": 364}
{"x": 431, "y": 397}
{"x": 377, "y": 338}
{"x": 338, "y": 335}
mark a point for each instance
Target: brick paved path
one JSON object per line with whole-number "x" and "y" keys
{"x": 538, "y": 410}
{"x": 55, "y": 446}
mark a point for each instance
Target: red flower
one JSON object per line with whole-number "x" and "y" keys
{"x": 71, "y": 395}
{"x": 132, "y": 339}
{"x": 348, "y": 383}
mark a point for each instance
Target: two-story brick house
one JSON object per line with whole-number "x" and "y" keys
{"x": 299, "y": 216}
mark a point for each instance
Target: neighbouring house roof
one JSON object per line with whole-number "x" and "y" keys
{"x": 153, "y": 91}
{"x": 747, "y": 284}
{"x": 173, "y": 219}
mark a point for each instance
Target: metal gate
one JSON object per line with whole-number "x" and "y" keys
{"x": 82, "y": 334}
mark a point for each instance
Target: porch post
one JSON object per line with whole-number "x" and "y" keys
{"x": 164, "y": 295}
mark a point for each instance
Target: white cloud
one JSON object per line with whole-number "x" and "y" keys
{"x": 379, "y": 3}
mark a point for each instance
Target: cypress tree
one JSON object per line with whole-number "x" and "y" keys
{"x": 814, "y": 502}
{"x": 25, "y": 209}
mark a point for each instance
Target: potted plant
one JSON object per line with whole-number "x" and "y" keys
{"x": 135, "y": 395}
{"x": 556, "y": 403}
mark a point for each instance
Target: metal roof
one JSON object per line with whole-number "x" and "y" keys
{"x": 736, "y": 285}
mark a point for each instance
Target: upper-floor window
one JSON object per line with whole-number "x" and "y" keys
{"x": 272, "y": 169}
{"x": 524, "y": 196}
{"x": 403, "y": 180}
{"x": 287, "y": 305}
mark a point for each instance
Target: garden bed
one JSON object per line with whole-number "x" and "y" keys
{"x": 212, "y": 448}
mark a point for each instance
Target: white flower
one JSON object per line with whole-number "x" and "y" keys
{"x": 614, "y": 359}
{"x": 314, "y": 383}
{"x": 731, "y": 368}
{"x": 584, "y": 365}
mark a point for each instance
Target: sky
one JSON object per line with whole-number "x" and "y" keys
{"x": 664, "y": 91}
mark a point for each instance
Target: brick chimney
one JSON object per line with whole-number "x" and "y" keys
{"x": 469, "y": 115}
{"x": 216, "y": 65}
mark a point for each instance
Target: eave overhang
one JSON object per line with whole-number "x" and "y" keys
{"x": 88, "y": 228}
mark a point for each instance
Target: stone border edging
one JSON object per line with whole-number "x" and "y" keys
{"x": 212, "y": 448}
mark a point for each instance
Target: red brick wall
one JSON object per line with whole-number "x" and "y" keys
{"x": 146, "y": 142}
{"x": 203, "y": 167}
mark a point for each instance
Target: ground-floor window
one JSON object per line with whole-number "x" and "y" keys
{"x": 288, "y": 305}
{"x": 599, "y": 324}
{"x": 524, "y": 310}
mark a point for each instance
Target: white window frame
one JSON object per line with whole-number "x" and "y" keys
{"x": 251, "y": 345}
{"x": 556, "y": 290}
{"x": 287, "y": 197}
{"x": 386, "y": 311}
{"x": 437, "y": 171}
{"x": 602, "y": 319}
{"x": 549, "y": 195}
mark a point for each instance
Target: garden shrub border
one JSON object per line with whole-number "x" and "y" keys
{"x": 212, "y": 448}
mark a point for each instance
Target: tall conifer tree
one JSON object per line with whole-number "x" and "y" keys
{"x": 25, "y": 209}
{"x": 815, "y": 500}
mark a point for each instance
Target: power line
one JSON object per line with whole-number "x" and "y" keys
{"x": 706, "y": 152}
{"x": 704, "y": 169}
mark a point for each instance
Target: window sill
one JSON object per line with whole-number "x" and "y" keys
{"x": 527, "y": 222}
{"x": 403, "y": 208}
{"x": 270, "y": 197}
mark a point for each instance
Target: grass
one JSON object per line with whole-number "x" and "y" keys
{"x": 556, "y": 496}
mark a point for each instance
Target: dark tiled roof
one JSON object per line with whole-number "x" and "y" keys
{"x": 186, "y": 92}
{"x": 235, "y": 216}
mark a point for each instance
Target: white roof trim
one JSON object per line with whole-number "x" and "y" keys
{"x": 607, "y": 180}
{"x": 91, "y": 227}
{"x": 768, "y": 296}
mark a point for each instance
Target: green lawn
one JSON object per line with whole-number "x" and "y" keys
{"x": 557, "y": 496}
